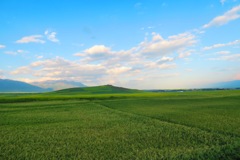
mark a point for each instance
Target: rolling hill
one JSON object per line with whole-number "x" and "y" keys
{"x": 105, "y": 89}
{"x": 7, "y": 85}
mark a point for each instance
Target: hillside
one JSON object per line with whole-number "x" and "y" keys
{"x": 58, "y": 84}
{"x": 105, "y": 89}
{"x": 7, "y": 85}
{"x": 229, "y": 84}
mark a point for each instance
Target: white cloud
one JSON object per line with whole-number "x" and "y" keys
{"x": 15, "y": 52}
{"x": 60, "y": 68}
{"x": 165, "y": 59}
{"x": 20, "y": 51}
{"x": 40, "y": 79}
{"x": 156, "y": 65}
{"x": 159, "y": 46}
{"x": 96, "y": 53}
{"x": 222, "y": 1}
{"x": 100, "y": 64}
{"x": 222, "y": 45}
{"x": 22, "y": 70}
{"x": 149, "y": 57}
{"x": 10, "y": 52}
{"x": 2, "y": 74}
{"x": 223, "y": 52}
{"x": 189, "y": 70}
{"x": 185, "y": 54}
{"x": 228, "y": 16}
{"x": 170, "y": 75}
{"x": 97, "y": 49}
{"x": 168, "y": 66}
{"x": 46, "y": 32}
{"x": 118, "y": 70}
{"x": 2, "y": 46}
{"x": 232, "y": 57}
{"x": 156, "y": 37}
{"x": 39, "y": 57}
{"x": 31, "y": 39}
{"x": 51, "y": 36}
{"x": 150, "y": 27}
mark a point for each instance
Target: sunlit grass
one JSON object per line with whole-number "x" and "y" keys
{"x": 189, "y": 125}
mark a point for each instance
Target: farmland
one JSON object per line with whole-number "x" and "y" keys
{"x": 129, "y": 125}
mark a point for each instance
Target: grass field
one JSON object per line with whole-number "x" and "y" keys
{"x": 189, "y": 125}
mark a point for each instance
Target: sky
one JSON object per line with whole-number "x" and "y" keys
{"x": 144, "y": 44}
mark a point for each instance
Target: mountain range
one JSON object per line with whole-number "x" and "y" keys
{"x": 7, "y": 85}
{"x": 58, "y": 84}
{"x": 229, "y": 84}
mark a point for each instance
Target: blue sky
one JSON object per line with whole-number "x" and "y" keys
{"x": 145, "y": 44}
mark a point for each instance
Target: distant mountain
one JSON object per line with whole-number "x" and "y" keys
{"x": 105, "y": 89}
{"x": 229, "y": 84}
{"x": 7, "y": 85}
{"x": 58, "y": 84}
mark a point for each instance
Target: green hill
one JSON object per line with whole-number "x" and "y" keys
{"x": 105, "y": 89}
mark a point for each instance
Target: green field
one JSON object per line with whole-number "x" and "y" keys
{"x": 129, "y": 125}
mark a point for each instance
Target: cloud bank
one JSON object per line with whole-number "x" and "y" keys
{"x": 101, "y": 64}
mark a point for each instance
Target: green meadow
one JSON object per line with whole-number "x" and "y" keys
{"x": 113, "y": 123}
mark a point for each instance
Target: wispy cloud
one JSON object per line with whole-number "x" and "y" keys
{"x": 165, "y": 59}
{"x": 219, "y": 45}
{"x": 228, "y": 16}
{"x": 39, "y": 57}
{"x": 223, "y": 52}
{"x": 1, "y": 74}
{"x": 31, "y": 39}
{"x": 138, "y": 5}
{"x": 10, "y": 52}
{"x": 151, "y": 65}
{"x": 15, "y": 52}
{"x": 222, "y": 1}
{"x": 231, "y": 57}
{"x": 118, "y": 70}
{"x": 2, "y": 46}
{"x": 186, "y": 54}
{"x": 51, "y": 36}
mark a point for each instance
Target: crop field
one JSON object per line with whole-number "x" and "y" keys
{"x": 189, "y": 125}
